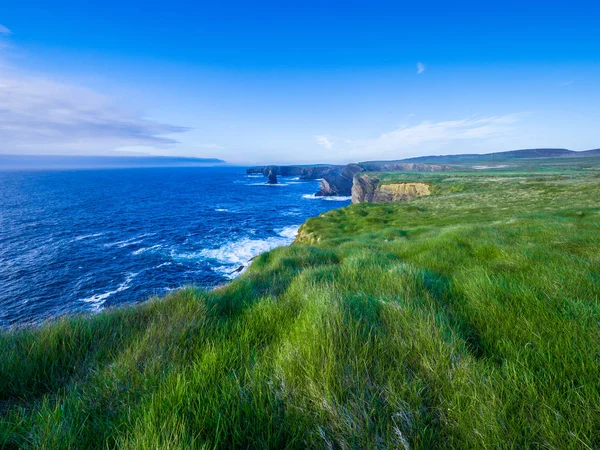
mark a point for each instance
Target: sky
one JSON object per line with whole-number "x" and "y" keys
{"x": 298, "y": 82}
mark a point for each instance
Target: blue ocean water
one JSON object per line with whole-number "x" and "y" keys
{"x": 76, "y": 241}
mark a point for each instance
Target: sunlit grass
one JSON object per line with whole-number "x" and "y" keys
{"x": 466, "y": 319}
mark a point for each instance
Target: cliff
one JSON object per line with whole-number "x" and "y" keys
{"x": 367, "y": 188}
{"x": 340, "y": 183}
{"x": 336, "y": 179}
{"x": 304, "y": 172}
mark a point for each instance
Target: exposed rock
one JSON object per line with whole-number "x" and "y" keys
{"x": 303, "y": 172}
{"x": 272, "y": 177}
{"x": 238, "y": 270}
{"x": 394, "y": 192}
{"x": 366, "y": 188}
{"x": 339, "y": 182}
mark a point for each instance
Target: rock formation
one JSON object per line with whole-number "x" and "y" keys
{"x": 303, "y": 172}
{"x": 366, "y": 188}
{"x": 339, "y": 182}
{"x": 272, "y": 177}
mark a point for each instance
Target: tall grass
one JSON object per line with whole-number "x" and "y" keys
{"x": 467, "y": 319}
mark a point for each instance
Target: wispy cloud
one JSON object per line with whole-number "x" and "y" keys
{"x": 448, "y": 130}
{"x": 44, "y": 116}
{"x": 4, "y": 30}
{"x": 420, "y": 68}
{"x": 430, "y": 135}
{"x": 324, "y": 142}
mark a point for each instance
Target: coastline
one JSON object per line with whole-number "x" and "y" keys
{"x": 168, "y": 227}
{"x": 389, "y": 313}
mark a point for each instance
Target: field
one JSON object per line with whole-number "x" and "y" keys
{"x": 466, "y": 319}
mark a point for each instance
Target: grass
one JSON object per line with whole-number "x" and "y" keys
{"x": 466, "y": 319}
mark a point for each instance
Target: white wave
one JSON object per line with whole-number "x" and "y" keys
{"x": 338, "y": 198}
{"x": 168, "y": 263}
{"x": 221, "y": 210}
{"x": 88, "y": 236}
{"x": 119, "y": 243}
{"x": 97, "y": 300}
{"x": 128, "y": 242}
{"x": 267, "y": 184}
{"x": 242, "y": 251}
{"x": 146, "y": 249}
{"x": 255, "y": 176}
{"x": 289, "y": 232}
{"x": 331, "y": 198}
{"x": 232, "y": 255}
{"x": 170, "y": 289}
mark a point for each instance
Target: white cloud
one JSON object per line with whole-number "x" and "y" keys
{"x": 324, "y": 142}
{"x": 448, "y": 130}
{"x": 433, "y": 136}
{"x": 420, "y": 68}
{"x": 4, "y": 30}
{"x": 44, "y": 116}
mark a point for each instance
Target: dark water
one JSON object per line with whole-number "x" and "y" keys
{"x": 86, "y": 240}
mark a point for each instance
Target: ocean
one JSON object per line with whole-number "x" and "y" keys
{"x": 85, "y": 240}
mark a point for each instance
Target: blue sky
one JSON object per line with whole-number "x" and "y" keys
{"x": 298, "y": 82}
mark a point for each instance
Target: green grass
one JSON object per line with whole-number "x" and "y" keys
{"x": 466, "y": 319}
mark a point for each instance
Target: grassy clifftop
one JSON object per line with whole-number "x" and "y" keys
{"x": 466, "y": 319}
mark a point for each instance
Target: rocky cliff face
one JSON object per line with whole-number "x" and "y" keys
{"x": 304, "y": 172}
{"x": 366, "y": 188}
{"x": 272, "y": 177}
{"x": 341, "y": 183}
{"x": 338, "y": 180}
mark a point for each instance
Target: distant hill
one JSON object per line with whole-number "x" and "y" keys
{"x": 504, "y": 156}
{"x": 57, "y": 162}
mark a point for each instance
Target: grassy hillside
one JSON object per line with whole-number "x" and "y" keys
{"x": 466, "y": 319}
{"x": 526, "y": 157}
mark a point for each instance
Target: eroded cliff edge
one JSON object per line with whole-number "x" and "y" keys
{"x": 303, "y": 172}
{"x": 337, "y": 180}
{"x": 341, "y": 183}
{"x": 367, "y": 188}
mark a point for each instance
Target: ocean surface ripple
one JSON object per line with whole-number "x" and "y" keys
{"x": 77, "y": 241}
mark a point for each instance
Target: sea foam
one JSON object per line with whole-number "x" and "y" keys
{"x": 331, "y": 198}
{"x": 97, "y": 300}
{"x": 146, "y": 249}
{"x": 88, "y": 236}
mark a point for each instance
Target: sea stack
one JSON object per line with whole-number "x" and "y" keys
{"x": 272, "y": 177}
